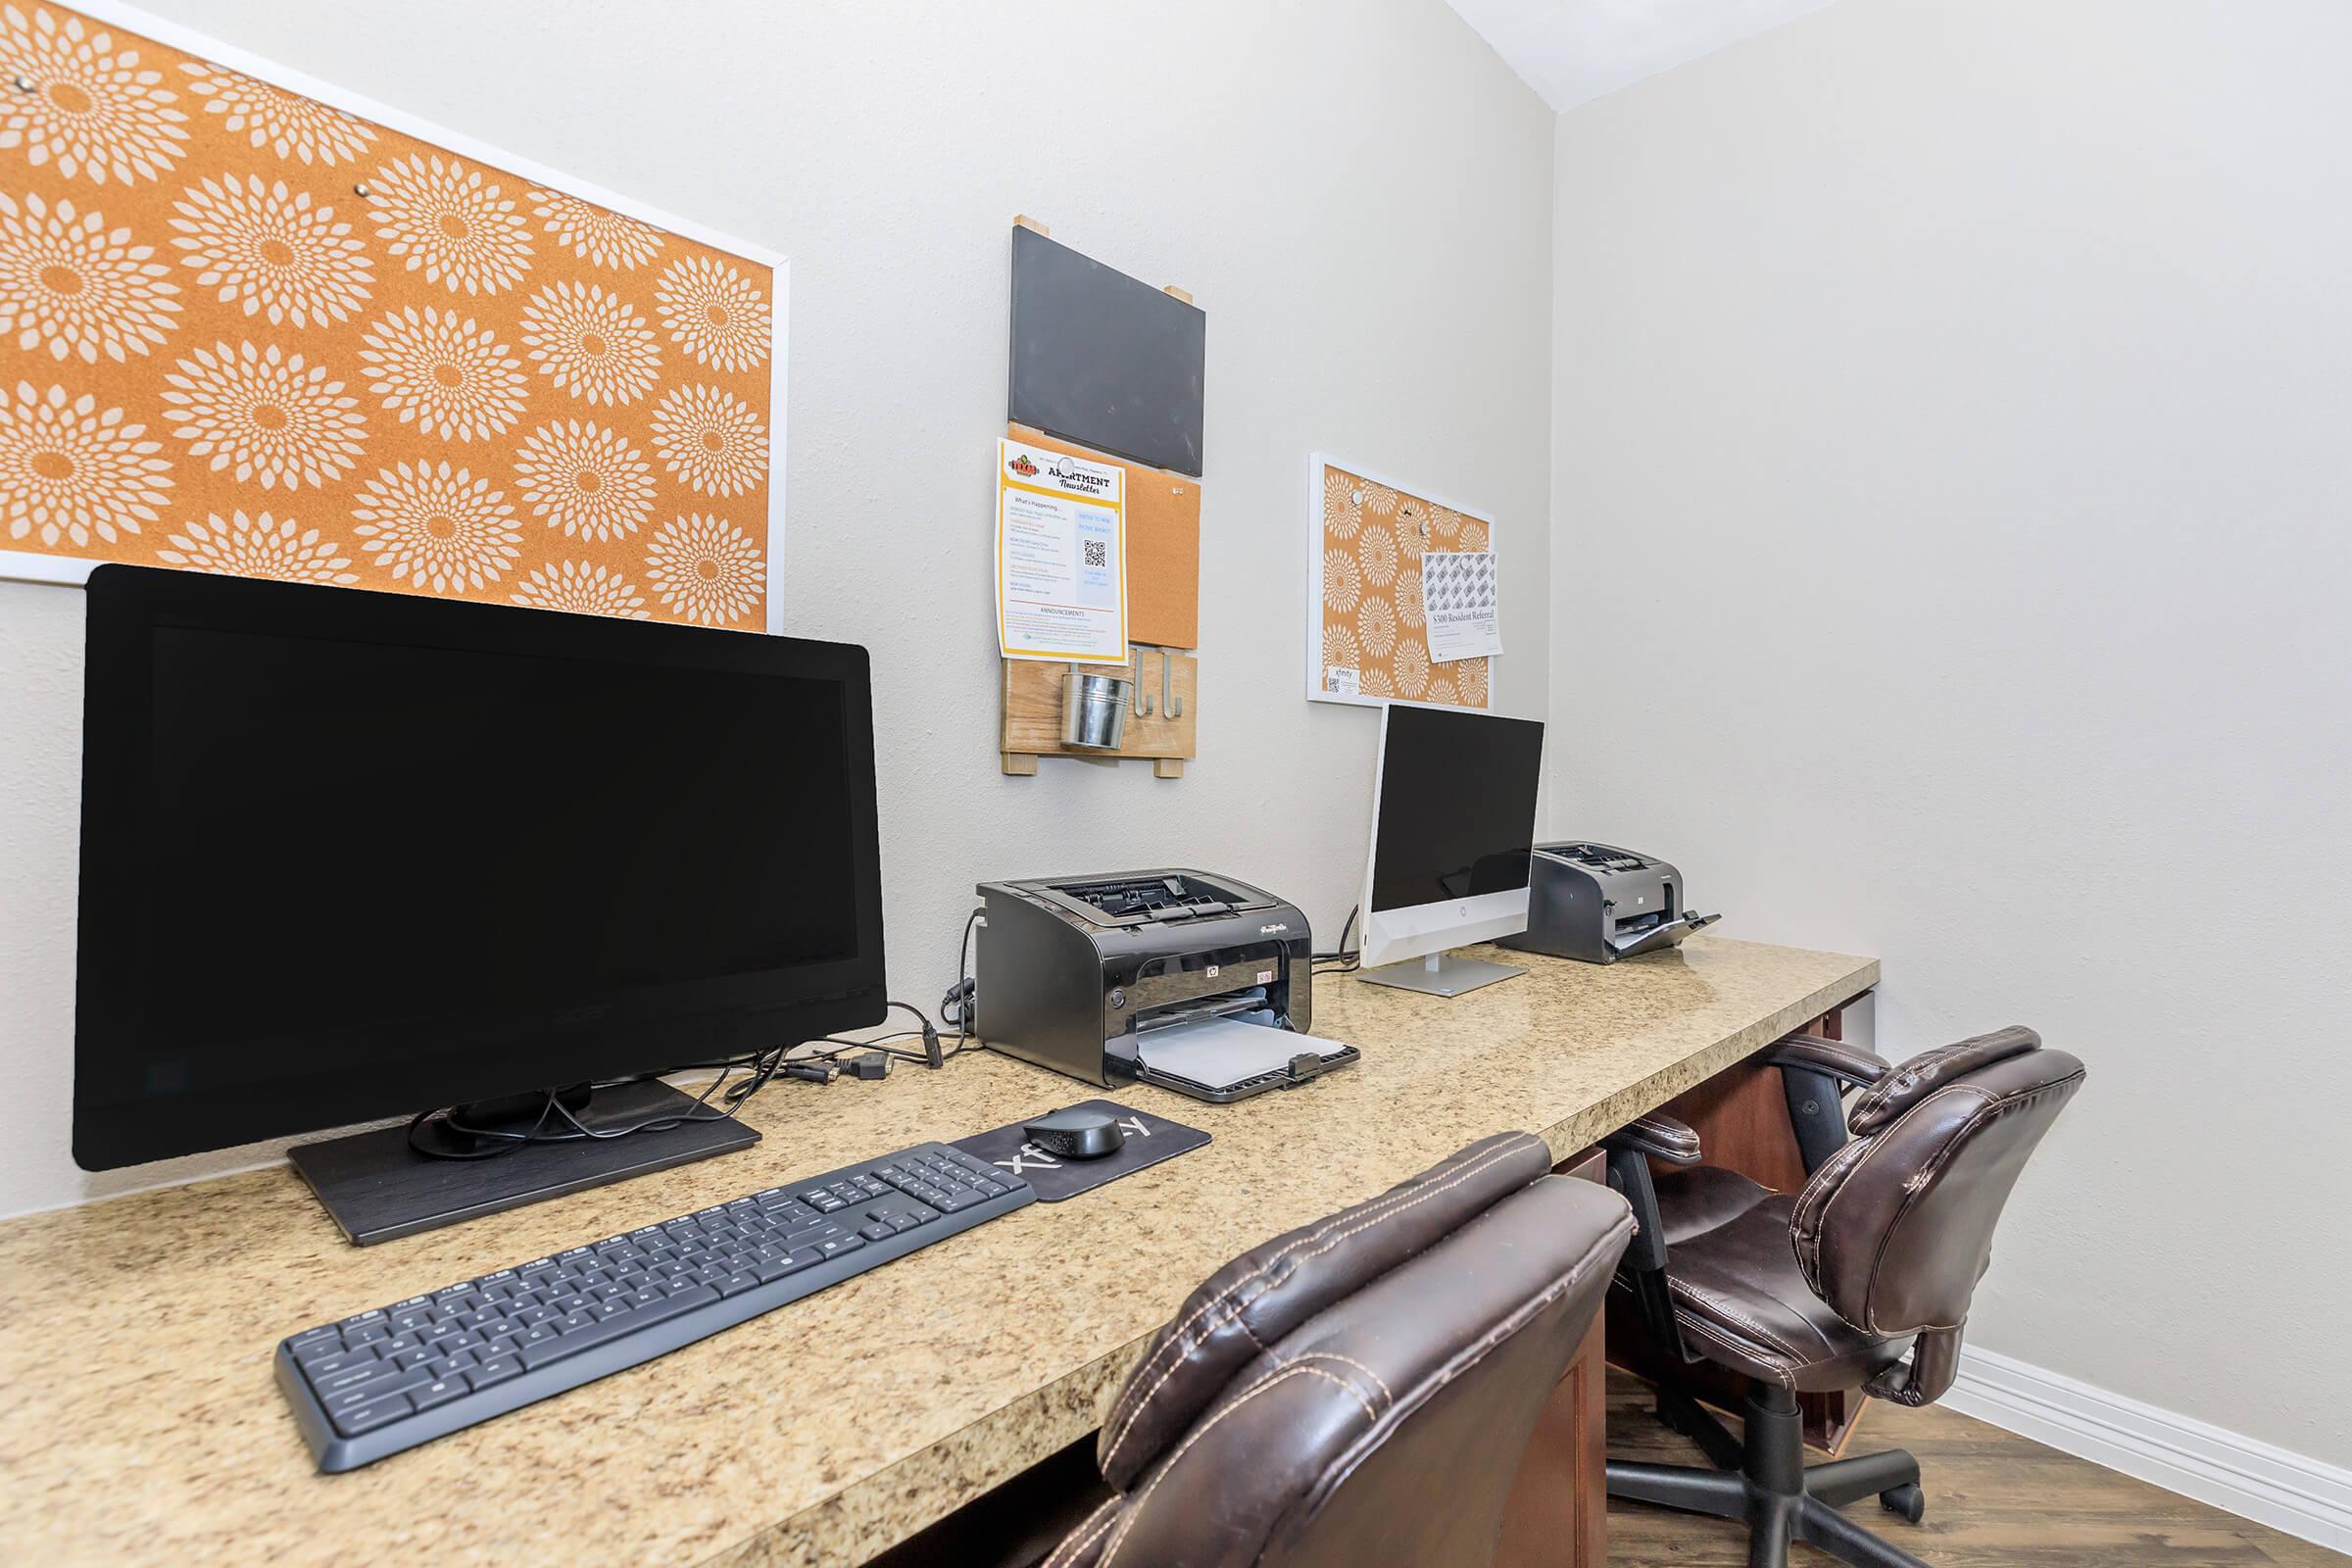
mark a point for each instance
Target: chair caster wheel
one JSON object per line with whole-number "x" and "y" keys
{"x": 1907, "y": 1501}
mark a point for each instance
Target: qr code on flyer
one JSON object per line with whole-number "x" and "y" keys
{"x": 1098, "y": 552}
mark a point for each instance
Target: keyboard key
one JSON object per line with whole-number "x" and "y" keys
{"x": 441, "y": 1393}
{"x": 326, "y": 1365}
{"x": 495, "y": 1369}
{"x": 353, "y": 1377}
{"x": 838, "y": 1245}
{"x": 366, "y": 1332}
{"x": 367, "y": 1417}
{"x": 737, "y": 1282}
{"x": 876, "y": 1231}
{"x": 381, "y": 1389}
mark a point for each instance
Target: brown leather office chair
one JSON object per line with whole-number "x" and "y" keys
{"x": 1860, "y": 1280}
{"x": 1360, "y": 1391}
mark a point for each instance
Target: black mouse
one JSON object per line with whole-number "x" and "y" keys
{"x": 1077, "y": 1134}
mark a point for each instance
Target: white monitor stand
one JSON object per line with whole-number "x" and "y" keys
{"x": 1441, "y": 974}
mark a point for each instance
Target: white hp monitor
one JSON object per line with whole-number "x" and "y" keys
{"x": 1453, "y": 827}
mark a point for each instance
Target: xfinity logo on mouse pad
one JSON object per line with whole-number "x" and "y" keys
{"x": 1149, "y": 1139}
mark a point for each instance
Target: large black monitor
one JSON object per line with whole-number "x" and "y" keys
{"x": 349, "y": 854}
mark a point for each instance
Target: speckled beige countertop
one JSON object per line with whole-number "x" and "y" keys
{"x": 139, "y": 1421}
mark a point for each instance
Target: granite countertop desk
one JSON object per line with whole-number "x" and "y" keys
{"x": 141, "y": 1421}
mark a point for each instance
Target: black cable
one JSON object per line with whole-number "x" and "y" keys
{"x": 581, "y": 1132}
{"x": 960, "y": 1003}
{"x": 1341, "y": 959}
{"x": 763, "y": 1067}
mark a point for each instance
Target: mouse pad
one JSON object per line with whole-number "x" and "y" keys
{"x": 1149, "y": 1139}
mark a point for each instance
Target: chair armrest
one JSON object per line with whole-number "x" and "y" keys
{"x": 1659, "y": 1136}
{"x": 1850, "y": 1065}
{"x": 1642, "y": 1268}
{"x": 1816, "y": 1073}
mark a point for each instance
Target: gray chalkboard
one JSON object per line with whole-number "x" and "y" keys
{"x": 1103, "y": 359}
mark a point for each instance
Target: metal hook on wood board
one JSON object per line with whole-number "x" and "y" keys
{"x": 1143, "y": 698}
{"x": 1169, "y": 702}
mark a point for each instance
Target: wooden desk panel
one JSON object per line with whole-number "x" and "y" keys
{"x": 136, "y": 1334}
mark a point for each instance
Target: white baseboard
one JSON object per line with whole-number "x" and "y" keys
{"x": 2251, "y": 1479}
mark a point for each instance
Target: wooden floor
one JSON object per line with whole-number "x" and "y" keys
{"x": 1994, "y": 1499}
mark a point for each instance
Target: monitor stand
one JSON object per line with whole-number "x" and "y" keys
{"x": 1441, "y": 974}
{"x": 378, "y": 1189}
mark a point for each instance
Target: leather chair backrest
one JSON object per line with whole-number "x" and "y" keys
{"x": 1894, "y": 1230}
{"x": 1363, "y": 1389}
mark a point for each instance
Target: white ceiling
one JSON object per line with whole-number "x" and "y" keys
{"x": 1572, "y": 51}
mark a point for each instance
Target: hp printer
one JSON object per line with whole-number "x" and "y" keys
{"x": 1600, "y": 904}
{"x": 1088, "y": 976}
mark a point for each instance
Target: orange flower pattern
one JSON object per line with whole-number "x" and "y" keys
{"x": 1372, "y": 541}
{"x": 244, "y": 331}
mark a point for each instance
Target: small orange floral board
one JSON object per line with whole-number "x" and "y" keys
{"x": 244, "y": 330}
{"x": 1367, "y": 640}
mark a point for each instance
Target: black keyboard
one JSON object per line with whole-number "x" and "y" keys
{"x": 388, "y": 1378}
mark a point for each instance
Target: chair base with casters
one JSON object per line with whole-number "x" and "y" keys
{"x": 1761, "y": 1478}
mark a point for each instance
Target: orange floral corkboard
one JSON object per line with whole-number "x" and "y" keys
{"x": 1367, "y": 560}
{"x": 245, "y": 331}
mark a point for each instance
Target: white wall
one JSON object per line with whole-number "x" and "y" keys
{"x": 1358, "y": 194}
{"x": 1953, "y": 513}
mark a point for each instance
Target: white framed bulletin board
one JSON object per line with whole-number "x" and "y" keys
{"x": 1369, "y": 636}
{"x": 253, "y": 322}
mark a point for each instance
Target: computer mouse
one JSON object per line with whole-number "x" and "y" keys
{"x": 1077, "y": 1134}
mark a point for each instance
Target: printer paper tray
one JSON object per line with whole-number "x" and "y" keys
{"x": 1224, "y": 1060}
{"x": 1667, "y": 934}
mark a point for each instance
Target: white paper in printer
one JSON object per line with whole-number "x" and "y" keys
{"x": 1219, "y": 1052}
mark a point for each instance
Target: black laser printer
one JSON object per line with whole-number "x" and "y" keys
{"x": 1598, "y": 903}
{"x": 1151, "y": 976}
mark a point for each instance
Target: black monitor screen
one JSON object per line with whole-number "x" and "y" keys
{"x": 1457, "y": 806}
{"x": 353, "y": 854}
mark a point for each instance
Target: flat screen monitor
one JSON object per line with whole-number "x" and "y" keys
{"x": 1453, "y": 826}
{"x": 351, "y": 855}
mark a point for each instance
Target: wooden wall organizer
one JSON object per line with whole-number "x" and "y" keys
{"x": 1162, "y": 720}
{"x": 1033, "y": 712}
